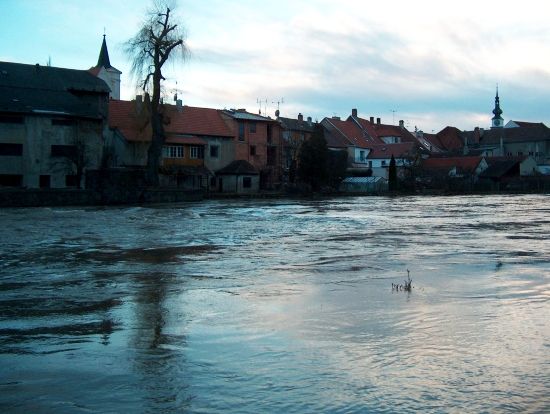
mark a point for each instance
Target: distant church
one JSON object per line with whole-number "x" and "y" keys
{"x": 497, "y": 121}
{"x": 106, "y": 72}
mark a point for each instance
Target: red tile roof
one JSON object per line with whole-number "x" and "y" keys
{"x": 190, "y": 121}
{"x": 123, "y": 116}
{"x": 196, "y": 121}
{"x": 468, "y": 164}
{"x": 450, "y": 138}
{"x": 350, "y": 133}
{"x": 430, "y": 141}
{"x": 377, "y": 131}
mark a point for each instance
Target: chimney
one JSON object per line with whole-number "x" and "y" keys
{"x": 378, "y": 121}
{"x": 179, "y": 105}
{"x": 476, "y": 135}
{"x": 139, "y": 103}
{"x": 309, "y": 120}
{"x": 300, "y": 118}
{"x": 372, "y": 119}
{"x": 354, "y": 112}
{"x": 401, "y": 123}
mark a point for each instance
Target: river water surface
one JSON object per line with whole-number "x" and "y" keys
{"x": 277, "y": 306}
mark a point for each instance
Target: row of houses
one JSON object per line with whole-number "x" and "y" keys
{"x": 56, "y": 123}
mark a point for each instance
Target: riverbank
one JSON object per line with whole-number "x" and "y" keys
{"x": 85, "y": 197}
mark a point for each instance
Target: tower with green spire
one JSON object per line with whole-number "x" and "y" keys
{"x": 108, "y": 73}
{"x": 497, "y": 121}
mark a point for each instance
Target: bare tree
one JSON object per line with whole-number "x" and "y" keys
{"x": 157, "y": 41}
{"x": 72, "y": 159}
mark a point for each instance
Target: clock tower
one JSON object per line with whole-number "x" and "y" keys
{"x": 498, "y": 121}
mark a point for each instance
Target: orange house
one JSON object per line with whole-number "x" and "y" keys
{"x": 183, "y": 154}
{"x": 258, "y": 141}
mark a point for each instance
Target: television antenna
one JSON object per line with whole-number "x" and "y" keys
{"x": 176, "y": 90}
{"x": 260, "y": 102}
{"x": 279, "y": 102}
{"x": 393, "y": 111}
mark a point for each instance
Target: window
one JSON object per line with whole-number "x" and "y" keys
{"x": 197, "y": 152}
{"x": 253, "y": 150}
{"x": 11, "y": 149}
{"x": 252, "y": 127}
{"x": 383, "y": 163}
{"x": 241, "y": 131}
{"x": 247, "y": 182}
{"x": 214, "y": 151}
{"x": 520, "y": 153}
{"x": 44, "y": 181}
{"x": 63, "y": 122}
{"x": 11, "y": 119}
{"x": 64, "y": 151}
{"x": 11, "y": 180}
{"x": 362, "y": 155}
{"x": 370, "y": 164}
{"x": 173, "y": 151}
{"x": 213, "y": 182}
{"x": 71, "y": 181}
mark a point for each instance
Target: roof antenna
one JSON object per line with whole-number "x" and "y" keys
{"x": 175, "y": 90}
{"x": 393, "y": 111}
{"x": 279, "y": 102}
{"x": 260, "y": 102}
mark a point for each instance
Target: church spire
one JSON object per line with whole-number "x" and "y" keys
{"x": 105, "y": 71}
{"x": 103, "y": 60}
{"x": 498, "y": 121}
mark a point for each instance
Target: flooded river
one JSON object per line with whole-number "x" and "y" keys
{"x": 277, "y": 307}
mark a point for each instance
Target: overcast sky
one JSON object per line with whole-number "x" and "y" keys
{"x": 430, "y": 63}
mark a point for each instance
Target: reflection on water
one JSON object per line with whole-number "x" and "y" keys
{"x": 277, "y": 306}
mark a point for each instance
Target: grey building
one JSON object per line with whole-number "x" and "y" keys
{"x": 51, "y": 125}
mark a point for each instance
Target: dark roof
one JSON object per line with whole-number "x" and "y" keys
{"x": 238, "y": 167}
{"x": 501, "y": 167}
{"x": 103, "y": 59}
{"x": 537, "y": 132}
{"x": 384, "y": 151}
{"x": 523, "y": 124}
{"x": 296, "y": 125}
{"x": 241, "y": 114}
{"x": 45, "y": 89}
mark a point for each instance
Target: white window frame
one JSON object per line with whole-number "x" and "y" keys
{"x": 174, "y": 151}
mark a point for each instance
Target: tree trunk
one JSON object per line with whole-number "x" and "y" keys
{"x": 154, "y": 152}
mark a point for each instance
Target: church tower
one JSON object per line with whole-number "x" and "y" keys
{"x": 108, "y": 73}
{"x": 498, "y": 121}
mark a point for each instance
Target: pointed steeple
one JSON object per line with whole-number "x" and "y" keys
{"x": 103, "y": 60}
{"x": 497, "y": 121}
{"x": 105, "y": 71}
